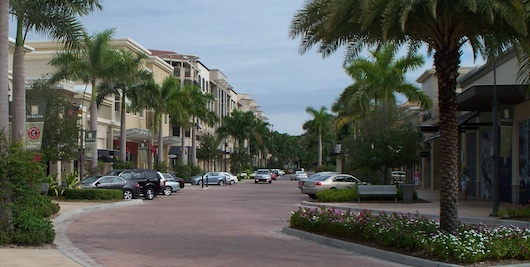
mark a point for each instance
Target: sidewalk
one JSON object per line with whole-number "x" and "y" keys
{"x": 471, "y": 211}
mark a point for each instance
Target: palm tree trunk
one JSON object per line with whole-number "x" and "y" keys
{"x": 123, "y": 129}
{"x": 19, "y": 87}
{"x": 6, "y": 216}
{"x": 182, "y": 146}
{"x": 4, "y": 68}
{"x": 193, "y": 153}
{"x": 94, "y": 126}
{"x": 447, "y": 71}
{"x": 319, "y": 147}
{"x": 160, "y": 143}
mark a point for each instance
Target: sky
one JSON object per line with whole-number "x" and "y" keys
{"x": 247, "y": 40}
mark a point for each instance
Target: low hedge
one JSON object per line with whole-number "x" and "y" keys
{"x": 93, "y": 194}
{"x": 350, "y": 194}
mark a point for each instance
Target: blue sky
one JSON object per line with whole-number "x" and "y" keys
{"x": 247, "y": 40}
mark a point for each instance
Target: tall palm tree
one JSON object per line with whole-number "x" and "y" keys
{"x": 56, "y": 19}
{"x": 377, "y": 81}
{"x": 129, "y": 81}
{"x": 200, "y": 112}
{"x": 4, "y": 68}
{"x": 488, "y": 27}
{"x": 320, "y": 124}
{"x": 88, "y": 63}
{"x": 159, "y": 98}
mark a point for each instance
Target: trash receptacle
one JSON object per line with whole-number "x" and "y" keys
{"x": 408, "y": 192}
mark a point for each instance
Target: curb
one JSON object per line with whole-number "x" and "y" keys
{"x": 61, "y": 223}
{"x": 366, "y": 250}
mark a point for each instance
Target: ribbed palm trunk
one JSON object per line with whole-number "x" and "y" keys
{"x": 123, "y": 129}
{"x": 319, "y": 147}
{"x": 94, "y": 127}
{"x": 446, "y": 63}
{"x": 19, "y": 95}
{"x": 6, "y": 216}
{"x": 160, "y": 142}
{"x": 182, "y": 145}
{"x": 4, "y": 69}
{"x": 193, "y": 153}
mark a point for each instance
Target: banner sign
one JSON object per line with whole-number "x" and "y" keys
{"x": 90, "y": 144}
{"x": 35, "y": 112}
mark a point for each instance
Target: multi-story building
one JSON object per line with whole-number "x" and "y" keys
{"x": 175, "y": 142}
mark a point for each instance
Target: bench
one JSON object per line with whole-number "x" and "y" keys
{"x": 379, "y": 190}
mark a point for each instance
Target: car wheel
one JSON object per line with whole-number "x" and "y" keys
{"x": 199, "y": 182}
{"x": 255, "y": 182}
{"x": 221, "y": 183}
{"x": 149, "y": 193}
{"x": 127, "y": 195}
{"x": 270, "y": 181}
{"x": 232, "y": 182}
{"x": 168, "y": 190}
{"x": 292, "y": 178}
{"x": 313, "y": 196}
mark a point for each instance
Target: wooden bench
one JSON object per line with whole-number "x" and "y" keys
{"x": 376, "y": 190}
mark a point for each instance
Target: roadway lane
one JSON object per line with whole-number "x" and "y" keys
{"x": 217, "y": 226}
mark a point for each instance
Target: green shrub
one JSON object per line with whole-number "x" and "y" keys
{"x": 123, "y": 165}
{"x": 337, "y": 195}
{"x": 37, "y": 204}
{"x": 31, "y": 229}
{"x": 161, "y": 166}
{"x": 514, "y": 211}
{"x": 93, "y": 194}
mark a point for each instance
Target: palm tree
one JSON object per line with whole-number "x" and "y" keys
{"x": 88, "y": 63}
{"x": 129, "y": 81}
{"x": 4, "y": 68}
{"x": 321, "y": 124}
{"x": 55, "y": 19}
{"x": 199, "y": 111}
{"x": 376, "y": 81}
{"x": 239, "y": 126}
{"x": 488, "y": 27}
{"x": 380, "y": 79}
{"x": 159, "y": 99}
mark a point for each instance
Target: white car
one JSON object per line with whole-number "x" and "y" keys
{"x": 299, "y": 175}
{"x": 230, "y": 178}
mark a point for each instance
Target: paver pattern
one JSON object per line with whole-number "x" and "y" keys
{"x": 215, "y": 226}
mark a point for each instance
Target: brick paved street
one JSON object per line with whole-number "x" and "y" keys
{"x": 217, "y": 226}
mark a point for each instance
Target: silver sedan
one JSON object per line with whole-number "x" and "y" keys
{"x": 329, "y": 181}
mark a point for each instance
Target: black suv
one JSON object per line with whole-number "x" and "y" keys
{"x": 151, "y": 182}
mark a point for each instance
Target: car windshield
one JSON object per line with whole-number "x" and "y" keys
{"x": 168, "y": 176}
{"x": 300, "y": 172}
{"x": 263, "y": 172}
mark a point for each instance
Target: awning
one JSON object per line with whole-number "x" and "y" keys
{"x": 107, "y": 159}
{"x": 480, "y": 97}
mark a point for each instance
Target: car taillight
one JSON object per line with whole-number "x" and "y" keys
{"x": 137, "y": 185}
{"x": 318, "y": 184}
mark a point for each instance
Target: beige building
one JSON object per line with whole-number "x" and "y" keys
{"x": 162, "y": 64}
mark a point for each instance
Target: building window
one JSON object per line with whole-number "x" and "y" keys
{"x": 117, "y": 103}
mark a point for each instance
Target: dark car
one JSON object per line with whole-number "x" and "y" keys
{"x": 151, "y": 182}
{"x": 131, "y": 189}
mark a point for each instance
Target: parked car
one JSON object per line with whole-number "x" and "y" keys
{"x": 278, "y": 172}
{"x": 398, "y": 177}
{"x": 313, "y": 176}
{"x": 171, "y": 184}
{"x": 232, "y": 179}
{"x": 299, "y": 175}
{"x": 263, "y": 175}
{"x": 210, "y": 178}
{"x": 329, "y": 181}
{"x": 151, "y": 182}
{"x": 130, "y": 189}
